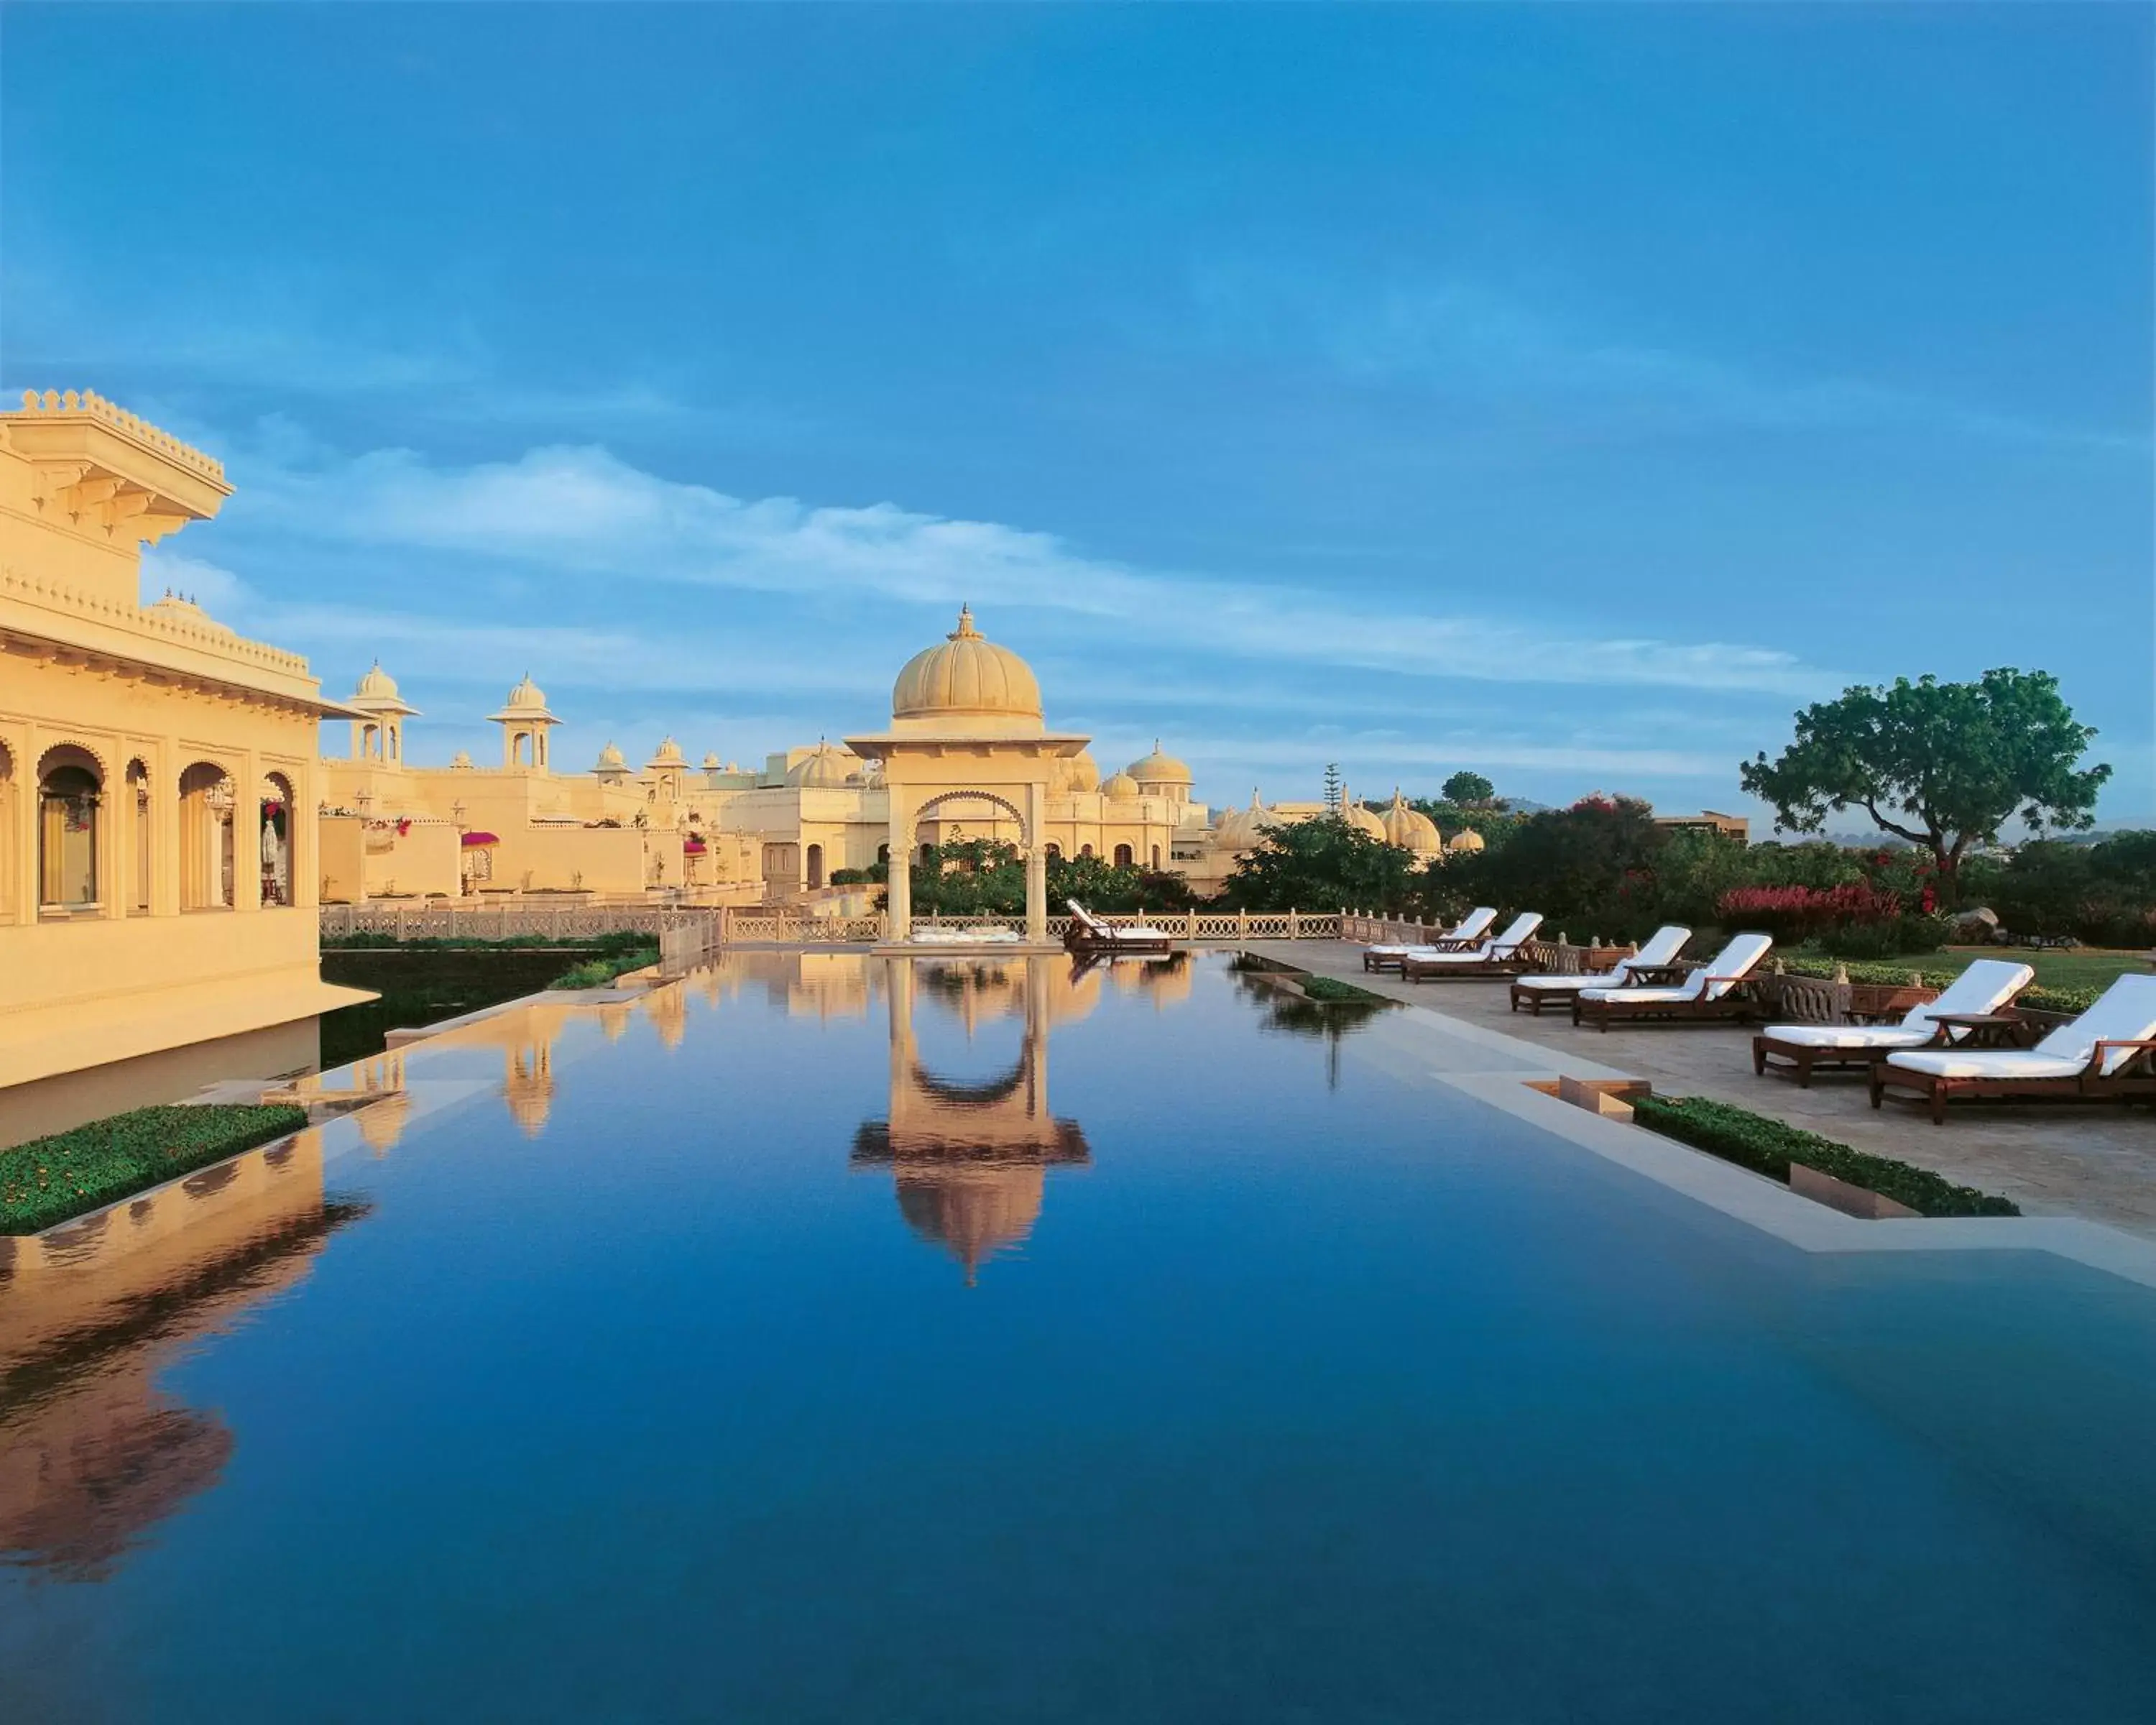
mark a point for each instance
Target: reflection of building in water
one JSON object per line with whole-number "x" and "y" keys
{"x": 91, "y": 1452}
{"x": 668, "y": 1003}
{"x": 969, "y": 1159}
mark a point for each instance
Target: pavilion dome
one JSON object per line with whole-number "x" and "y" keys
{"x": 1465, "y": 839}
{"x": 826, "y": 769}
{"x": 669, "y": 755}
{"x": 527, "y": 694}
{"x": 1075, "y": 772}
{"x": 966, "y": 675}
{"x": 1241, "y": 829}
{"x": 377, "y": 684}
{"x": 1121, "y": 787}
{"x": 710, "y": 762}
{"x": 1362, "y": 819}
{"x": 1410, "y": 829}
{"x": 612, "y": 760}
{"x": 462, "y": 761}
{"x": 1158, "y": 768}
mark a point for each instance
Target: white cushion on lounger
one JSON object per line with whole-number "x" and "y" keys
{"x": 1517, "y": 933}
{"x": 1985, "y": 986}
{"x": 1731, "y": 965}
{"x": 2125, "y": 1012}
{"x": 1662, "y": 949}
{"x": 1851, "y": 1035}
{"x": 1994, "y": 1063}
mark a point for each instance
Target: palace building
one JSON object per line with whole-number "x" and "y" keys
{"x": 158, "y": 861}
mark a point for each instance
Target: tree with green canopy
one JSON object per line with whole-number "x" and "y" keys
{"x": 1321, "y": 865}
{"x": 1468, "y": 790}
{"x": 1942, "y": 765}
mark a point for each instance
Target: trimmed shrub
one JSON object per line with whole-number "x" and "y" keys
{"x": 1330, "y": 989}
{"x": 1769, "y": 1147}
{"x": 49, "y": 1180}
{"x": 598, "y": 973}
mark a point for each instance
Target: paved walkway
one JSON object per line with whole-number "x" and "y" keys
{"x": 2096, "y": 1162}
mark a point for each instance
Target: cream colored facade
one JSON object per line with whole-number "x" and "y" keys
{"x": 158, "y": 877}
{"x": 718, "y": 834}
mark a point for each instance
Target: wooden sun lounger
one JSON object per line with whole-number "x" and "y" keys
{"x": 2107, "y": 1053}
{"x": 1502, "y": 956}
{"x": 1463, "y": 936}
{"x": 1653, "y": 964}
{"x": 1088, "y": 935}
{"x": 1718, "y": 993}
{"x": 1973, "y": 1006}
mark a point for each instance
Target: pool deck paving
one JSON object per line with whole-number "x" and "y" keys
{"x": 2096, "y": 1162}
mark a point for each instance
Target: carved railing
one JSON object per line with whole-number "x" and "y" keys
{"x": 506, "y": 919}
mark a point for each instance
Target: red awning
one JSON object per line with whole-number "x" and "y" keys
{"x": 480, "y": 838}
{"x": 694, "y": 847}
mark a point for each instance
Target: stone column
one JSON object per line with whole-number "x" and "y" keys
{"x": 22, "y": 878}
{"x": 247, "y": 835}
{"x": 899, "y": 881}
{"x": 1036, "y": 866}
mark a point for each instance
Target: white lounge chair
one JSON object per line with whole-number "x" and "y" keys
{"x": 1471, "y": 928}
{"x": 1660, "y": 953}
{"x": 1498, "y": 957}
{"x": 1715, "y": 991}
{"x": 1088, "y": 933}
{"x": 1798, "y": 1050}
{"x": 2107, "y": 1053}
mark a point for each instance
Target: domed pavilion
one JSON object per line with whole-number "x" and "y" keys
{"x": 967, "y": 729}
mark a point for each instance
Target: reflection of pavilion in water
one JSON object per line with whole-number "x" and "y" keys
{"x": 970, "y": 1160}
{"x": 91, "y": 1452}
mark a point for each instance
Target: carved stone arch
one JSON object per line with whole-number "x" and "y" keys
{"x": 1002, "y": 802}
{"x": 101, "y": 753}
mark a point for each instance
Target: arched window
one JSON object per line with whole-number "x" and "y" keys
{"x": 1055, "y": 851}
{"x": 71, "y": 795}
{"x": 927, "y": 856}
{"x": 1122, "y": 856}
{"x": 1084, "y": 851}
{"x": 141, "y": 840}
{"x": 274, "y": 846}
{"x": 883, "y": 853}
{"x": 815, "y": 866}
{"x": 1156, "y": 859}
{"x": 207, "y": 797}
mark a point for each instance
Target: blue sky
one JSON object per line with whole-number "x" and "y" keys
{"x": 1566, "y": 392}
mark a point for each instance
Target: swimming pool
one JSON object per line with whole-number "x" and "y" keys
{"x": 830, "y": 1338}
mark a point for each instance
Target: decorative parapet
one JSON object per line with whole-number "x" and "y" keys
{"x": 58, "y": 404}
{"x": 31, "y": 589}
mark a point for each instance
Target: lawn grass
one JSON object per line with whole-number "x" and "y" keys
{"x": 1769, "y": 1147}
{"x": 2066, "y": 981}
{"x": 49, "y": 1180}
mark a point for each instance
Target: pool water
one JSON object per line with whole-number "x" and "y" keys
{"x": 828, "y": 1338}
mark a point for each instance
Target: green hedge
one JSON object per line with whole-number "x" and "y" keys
{"x": 48, "y": 1180}
{"x": 1332, "y": 989}
{"x": 598, "y": 973}
{"x": 1769, "y": 1147}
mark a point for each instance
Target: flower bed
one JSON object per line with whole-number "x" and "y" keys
{"x": 1769, "y": 1147}
{"x": 49, "y": 1180}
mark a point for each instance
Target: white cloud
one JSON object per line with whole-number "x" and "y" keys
{"x": 215, "y": 588}
{"x": 583, "y": 512}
